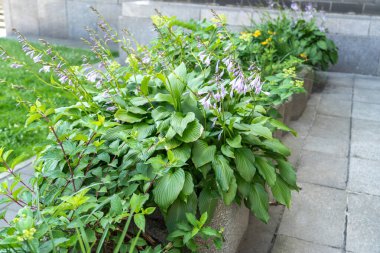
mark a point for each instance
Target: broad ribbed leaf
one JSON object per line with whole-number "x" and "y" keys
{"x": 179, "y": 122}
{"x": 229, "y": 196}
{"x": 223, "y": 172}
{"x": 235, "y": 142}
{"x": 245, "y": 163}
{"x": 202, "y": 153}
{"x": 266, "y": 170}
{"x": 192, "y": 132}
{"x": 160, "y": 113}
{"x": 279, "y": 125}
{"x": 177, "y": 212}
{"x": 207, "y": 201}
{"x": 281, "y": 192}
{"x": 188, "y": 186}
{"x": 276, "y": 146}
{"x": 260, "y": 130}
{"x": 259, "y": 202}
{"x": 125, "y": 116}
{"x": 168, "y": 188}
{"x": 180, "y": 155}
{"x": 287, "y": 173}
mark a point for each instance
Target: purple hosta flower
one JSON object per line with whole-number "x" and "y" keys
{"x": 258, "y": 85}
{"x": 49, "y": 51}
{"x": 220, "y": 135}
{"x": 111, "y": 108}
{"x": 106, "y": 94}
{"x": 266, "y": 93}
{"x": 205, "y": 59}
{"x": 238, "y": 85}
{"x": 206, "y": 102}
{"x": 294, "y": 6}
{"x": 99, "y": 83}
{"x": 229, "y": 64}
{"x": 45, "y": 69}
{"x": 63, "y": 78}
{"x": 60, "y": 65}
{"x": 37, "y": 58}
{"x": 309, "y": 7}
{"x": 217, "y": 67}
{"x": 146, "y": 59}
{"x": 92, "y": 76}
{"x": 16, "y": 65}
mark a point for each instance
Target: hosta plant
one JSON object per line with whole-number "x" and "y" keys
{"x": 161, "y": 139}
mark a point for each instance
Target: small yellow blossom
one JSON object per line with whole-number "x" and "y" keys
{"x": 299, "y": 83}
{"x": 219, "y": 20}
{"x": 16, "y": 220}
{"x": 303, "y": 55}
{"x": 27, "y": 234}
{"x": 257, "y": 33}
{"x": 245, "y": 36}
{"x": 271, "y": 33}
{"x": 290, "y": 72}
{"x": 20, "y": 238}
{"x": 266, "y": 42}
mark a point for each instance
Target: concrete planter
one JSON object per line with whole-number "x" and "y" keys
{"x": 299, "y": 101}
{"x": 234, "y": 219}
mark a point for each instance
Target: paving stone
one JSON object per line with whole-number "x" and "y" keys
{"x": 337, "y": 89}
{"x": 317, "y": 215}
{"x": 332, "y": 106}
{"x": 367, "y": 82}
{"x": 285, "y": 244}
{"x": 340, "y": 79}
{"x": 363, "y": 228}
{"x": 367, "y": 95}
{"x": 304, "y": 123}
{"x": 364, "y": 176}
{"x": 322, "y": 169}
{"x": 331, "y": 127}
{"x": 338, "y": 96}
{"x": 295, "y": 144}
{"x": 366, "y": 111}
{"x": 259, "y": 235}
{"x": 335, "y": 147}
{"x": 365, "y": 139}
{"x": 314, "y": 99}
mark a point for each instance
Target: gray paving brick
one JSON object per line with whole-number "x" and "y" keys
{"x": 331, "y": 127}
{"x": 259, "y": 235}
{"x": 365, "y": 139}
{"x": 367, "y": 95}
{"x": 317, "y": 215}
{"x": 363, "y": 227}
{"x": 295, "y": 144}
{"x": 332, "y": 106}
{"x": 335, "y": 147}
{"x": 322, "y": 169}
{"x": 340, "y": 79}
{"x": 364, "y": 176}
{"x": 366, "y": 111}
{"x": 367, "y": 82}
{"x": 285, "y": 244}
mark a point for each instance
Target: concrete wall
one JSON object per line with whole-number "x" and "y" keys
{"x": 358, "y": 36}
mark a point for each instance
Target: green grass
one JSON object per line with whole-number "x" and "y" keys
{"x": 19, "y": 84}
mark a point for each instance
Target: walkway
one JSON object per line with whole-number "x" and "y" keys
{"x": 2, "y": 20}
{"x": 337, "y": 155}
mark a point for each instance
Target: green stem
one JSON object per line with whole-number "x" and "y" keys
{"x": 122, "y": 236}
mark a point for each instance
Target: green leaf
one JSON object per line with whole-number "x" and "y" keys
{"x": 177, "y": 211}
{"x": 179, "y": 123}
{"x": 144, "y": 85}
{"x": 137, "y": 201}
{"x": 281, "y": 192}
{"x": 223, "y": 172}
{"x": 180, "y": 155}
{"x": 281, "y": 126}
{"x": 188, "y": 187}
{"x": 192, "y": 132}
{"x": 259, "y": 202}
{"x": 192, "y": 219}
{"x": 202, "y": 153}
{"x": 235, "y": 142}
{"x": 116, "y": 206}
{"x": 322, "y": 44}
{"x": 160, "y": 113}
{"x": 168, "y": 188}
{"x": 276, "y": 146}
{"x": 139, "y": 220}
{"x": 229, "y": 196}
{"x": 227, "y": 151}
{"x": 125, "y": 116}
{"x": 245, "y": 163}
{"x": 266, "y": 170}
{"x": 287, "y": 173}
{"x": 207, "y": 202}
{"x": 260, "y": 130}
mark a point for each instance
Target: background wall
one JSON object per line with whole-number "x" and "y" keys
{"x": 357, "y": 35}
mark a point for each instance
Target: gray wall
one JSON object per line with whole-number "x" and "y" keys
{"x": 357, "y": 36}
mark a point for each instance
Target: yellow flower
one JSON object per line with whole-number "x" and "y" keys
{"x": 299, "y": 83}
{"x": 265, "y": 42}
{"x": 245, "y": 36}
{"x": 271, "y": 33}
{"x": 303, "y": 55}
{"x": 257, "y": 33}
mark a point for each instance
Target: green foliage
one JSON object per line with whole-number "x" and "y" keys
{"x": 185, "y": 124}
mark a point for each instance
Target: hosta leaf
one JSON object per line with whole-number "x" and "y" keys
{"x": 180, "y": 155}
{"x": 192, "y": 132}
{"x": 202, "y": 153}
{"x": 207, "y": 201}
{"x": 276, "y": 146}
{"x": 188, "y": 186}
{"x": 287, "y": 173}
{"x": 125, "y": 116}
{"x": 168, "y": 188}
{"x": 227, "y": 151}
{"x": 245, "y": 163}
{"x": 279, "y": 125}
{"x": 235, "y": 142}
{"x": 260, "y": 130}
{"x": 259, "y": 202}
{"x": 223, "y": 172}
{"x": 266, "y": 170}
{"x": 281, "y": 192}
{"x": 160, "y": 113}
{"x": 179, "y": 123}
{"x": 177, "y": 211}
{"x": 229, "y": 196}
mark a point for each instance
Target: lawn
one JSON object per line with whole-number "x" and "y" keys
{"x": 20, "y": 85}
